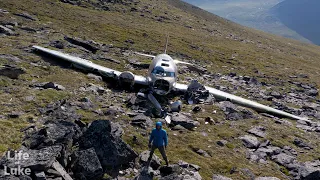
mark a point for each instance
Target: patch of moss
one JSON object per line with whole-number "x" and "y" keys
{"x": 284, "y": 170}
{"x": 3, "y": 82}
{"x": 3, "y": 148}
{"x": 230, "y": 145}
{"x": 47, "y": 96}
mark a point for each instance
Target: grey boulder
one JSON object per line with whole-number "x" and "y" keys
{"x": 173, "y": 172}
{"x": 302, "y": 144}
{"x": 49, "y": 85}
{"x": 258, "y": 131}
{"x": 87, "y": 165}
{"x": 110, "y": 149}
{"x": 7, "y": 31}
{"x": 11, "y": 71}
{"x": 146, "y": 173}
{"x": 266, "y": 178}
{"x": 220, "y": 177}
{"x": 283, "y": 159}
{"x": 250, "y": 141}
{"x": 184, "y": 120}
{"x": 38, "y": 160}
{"x": 95, "y": 77}
{"x": 59, "y": 132}
{"x": 155, "y": 161}
{"x": 142, "y": 121}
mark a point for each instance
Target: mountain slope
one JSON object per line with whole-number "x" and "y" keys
{"x": 230, "y": 57}
{"x": 300, "y": 16}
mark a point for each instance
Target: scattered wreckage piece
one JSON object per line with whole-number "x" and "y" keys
{"x": 196, "y": 93}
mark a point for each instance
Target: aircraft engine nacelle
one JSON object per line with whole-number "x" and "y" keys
{"x": 127, "y": 78}
{"x": 176, "y": 106}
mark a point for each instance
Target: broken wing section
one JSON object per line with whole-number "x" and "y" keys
{"x": 220, "y": 95}
{"x": 104, "y": 71}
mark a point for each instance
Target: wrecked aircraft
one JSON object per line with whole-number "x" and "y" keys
{"x": 161, "y": 80}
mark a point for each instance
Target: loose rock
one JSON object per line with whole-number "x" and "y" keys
{"x": 111, "y": 150}
{"x": 95, "y": 77}
{"x": 142, "y": 120}
{"x": 39, "y": 160}
{"x": 15, "y": 114}
{"x": 40, "y": 175}
{"x": 58, "y": 44}
{"x": 89, "y": 45}
{"x": 26, "y": 15}
{"x": 7, "y": 31}
{"x": 87, "y": 165}
{"x": 250, "y": 141}
{"x": 11, "y": 71}
{"x": 258, "y": 131}
{"x": 220, "y": 177}
{"x": 300, "y": 143}
{"x": 283, "y": 159}
{"x": 49, "y": 85}
{"x": 155, "y": 161}
{"x": 54, "y": 132}
{"x": 184, "y": 120}
{"x": 266, "y": 178}
{"x": 222, "y": 142}
{"x": 201, "y": 152}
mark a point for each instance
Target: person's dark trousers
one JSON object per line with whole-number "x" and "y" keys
{"x": 162, "y": 151}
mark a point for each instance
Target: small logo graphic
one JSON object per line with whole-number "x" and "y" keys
{"x": 17, "y": 157}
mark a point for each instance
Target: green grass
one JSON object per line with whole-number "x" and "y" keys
{"x": 10, "y": 137}
{"x": 48, "y": 96}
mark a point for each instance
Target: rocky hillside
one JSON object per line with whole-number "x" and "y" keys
{"x": 90, "y": 127}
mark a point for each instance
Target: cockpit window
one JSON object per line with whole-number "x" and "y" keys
{"x": 161, "y": 72}
{"x": 169, "y": 74}
{"x": 165, "y": 64}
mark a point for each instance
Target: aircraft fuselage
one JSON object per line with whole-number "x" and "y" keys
{"x": 162, "y": 74}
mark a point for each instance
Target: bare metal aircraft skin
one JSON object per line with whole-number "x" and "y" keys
{"x": 162, "y": 79}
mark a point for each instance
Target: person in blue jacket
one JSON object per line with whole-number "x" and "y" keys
{"x": 158, "y": 140}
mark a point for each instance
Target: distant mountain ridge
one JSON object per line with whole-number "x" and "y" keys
{"x": 294, "y": 19}
{"x": 300, "y": 16}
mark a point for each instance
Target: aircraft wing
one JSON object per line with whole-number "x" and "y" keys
{"x": 220, "y": 95}
{"x": 181, "y": 62}
{"x": 85, "y": 64}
